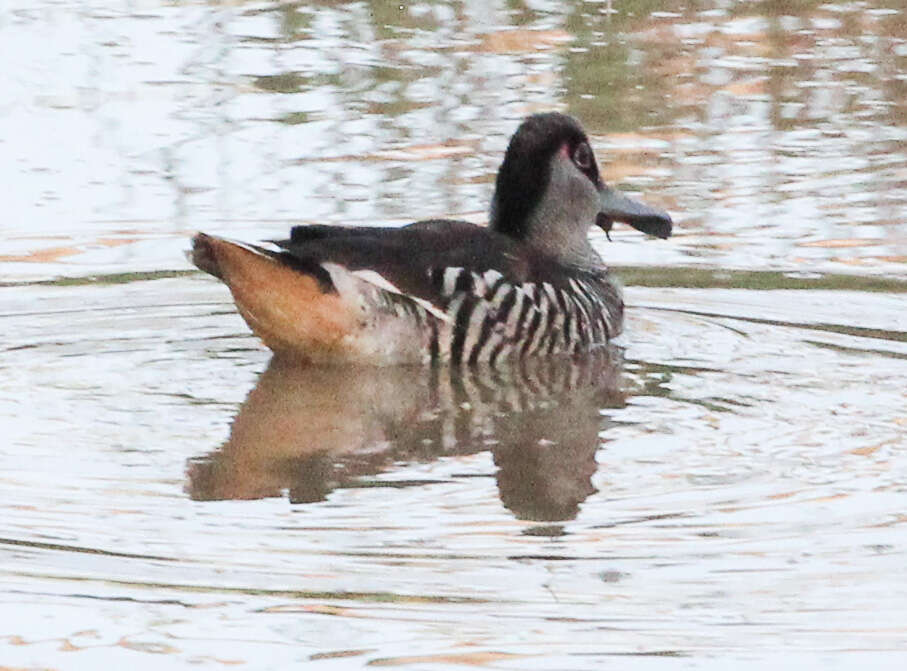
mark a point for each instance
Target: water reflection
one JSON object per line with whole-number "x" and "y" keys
{"x": 308, "y": 430}
{"x": 777, "y": 127}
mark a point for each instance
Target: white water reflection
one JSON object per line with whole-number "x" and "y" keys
{"x": 774, "y": 140}
{"x": 748, "y": 488}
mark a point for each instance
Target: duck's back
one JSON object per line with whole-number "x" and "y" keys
{"x": 433, "y": 290}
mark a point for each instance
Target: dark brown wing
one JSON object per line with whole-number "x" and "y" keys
{"x": 412, "y": 258}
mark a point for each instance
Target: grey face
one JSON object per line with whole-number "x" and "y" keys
{"x": 559, "y": 224}
{"x": 574, "y": 199}
{"x": 615, "y": 206}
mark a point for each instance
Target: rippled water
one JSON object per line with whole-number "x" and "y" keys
{"x": 723, "y": 489}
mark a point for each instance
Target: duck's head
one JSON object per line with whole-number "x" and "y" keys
{"x": 549, "y": 192}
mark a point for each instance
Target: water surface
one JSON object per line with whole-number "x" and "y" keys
{"x": 725, "y": 487}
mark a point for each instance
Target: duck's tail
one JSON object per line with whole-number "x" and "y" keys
{"x": 293, "y": 311}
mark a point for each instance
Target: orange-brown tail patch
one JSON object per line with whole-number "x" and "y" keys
{"x": 286, "y": 308}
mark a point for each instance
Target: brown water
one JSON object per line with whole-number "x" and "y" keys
{"x": 725, "y": 489}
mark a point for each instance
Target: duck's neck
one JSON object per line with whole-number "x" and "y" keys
{"x": 569, "y": 244}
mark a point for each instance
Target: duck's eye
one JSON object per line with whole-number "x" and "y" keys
{"x": 582, "y": 156}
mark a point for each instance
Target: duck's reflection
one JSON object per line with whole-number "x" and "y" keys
{"x": 309, "y": 430}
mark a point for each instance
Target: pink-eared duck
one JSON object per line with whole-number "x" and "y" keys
{"x": 529, "y": 284}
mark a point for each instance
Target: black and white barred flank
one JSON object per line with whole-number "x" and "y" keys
{"x": 491, "y": 318}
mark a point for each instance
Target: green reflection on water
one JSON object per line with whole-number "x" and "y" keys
{"x": 370, "y": 597}
{"x": 284, "y": 82}
{"x": 635, "y": 276}
{"x": 700, "y": 278}
{"x": 605, "y": 84}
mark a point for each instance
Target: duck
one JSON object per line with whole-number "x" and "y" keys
{"x": 528, "y": 284}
